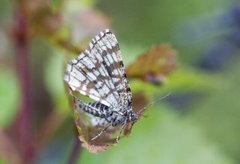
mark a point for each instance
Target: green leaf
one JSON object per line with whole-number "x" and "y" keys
{"x": 2, "y": 161}
{"x": 180, "y": 80}
{"x": 9, "y": 91}
{"x": 219, "y": 114}
{"x": 54, "y": 81}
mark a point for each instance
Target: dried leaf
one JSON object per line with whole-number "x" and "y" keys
{"x": 87, "y": 131}
{"x": 154, "y": 65}
{"x": 41, "y": 18}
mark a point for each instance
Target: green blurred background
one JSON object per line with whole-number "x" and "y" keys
{"x": 198, "y": 123}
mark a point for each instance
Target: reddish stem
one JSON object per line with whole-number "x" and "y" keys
{"x": 75, "y": 152}
{"x": 23, "y": 122}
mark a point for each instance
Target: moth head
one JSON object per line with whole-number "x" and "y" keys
{"x": 132, "y": 116}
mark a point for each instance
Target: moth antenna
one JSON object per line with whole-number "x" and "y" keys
{"x": 153, "y": 102}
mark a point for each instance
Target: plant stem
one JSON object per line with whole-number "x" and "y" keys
{"x": 75, "y": 152}
{"x": 23, "y": 123}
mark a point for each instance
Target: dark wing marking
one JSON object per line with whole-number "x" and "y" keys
{"x": 89, "y": 74}
{"x": 107, "y": 45}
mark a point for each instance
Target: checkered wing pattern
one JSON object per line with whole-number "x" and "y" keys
{"x": 99, "y": 72}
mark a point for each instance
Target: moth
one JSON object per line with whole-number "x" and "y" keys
{"x": 99, "y": 73}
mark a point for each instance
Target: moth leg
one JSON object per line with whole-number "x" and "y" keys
{"x": 100, "y": 133}
{"x": 120, "y": 133}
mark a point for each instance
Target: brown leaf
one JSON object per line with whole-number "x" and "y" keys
{"x": 87, "y": 131}
{"x": 40, "y": 17}
{"x": 154, "y": 65}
